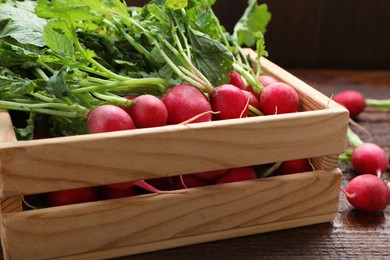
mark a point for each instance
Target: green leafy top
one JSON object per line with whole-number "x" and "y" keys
{"x": 62, "y": 58}
{"x": 21, "y": 25}
{"x": 254, "y": 21}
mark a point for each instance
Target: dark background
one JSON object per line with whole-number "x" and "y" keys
{"x": 330, "y": 34}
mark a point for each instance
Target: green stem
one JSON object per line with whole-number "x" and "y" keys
{"x": 127, "y": 85}
{"x": 113, "y": 99}
{"x": 179, "y": 72}
{"x": 346, "y": 156}
{"x": 141, "y": 49}
{"x": 195, "y": 74}
{"x": 255, "y": 111}
{"x": 41, "y": 74}
{"x": 383, "y": 104}
{"x": 108, "y": 73}
{"x": 44, "y": 98}
{"x": 251, "y": 79}
{"x": 353, "y": 139}
{"x": 47, "y": 67}
{"x": 56, "y": 109}
{"x": 271, "y": 170}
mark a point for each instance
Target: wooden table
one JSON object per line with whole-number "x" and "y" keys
{"x": 352, "y": 234}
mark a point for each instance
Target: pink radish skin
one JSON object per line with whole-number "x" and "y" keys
{"x": 369, "y": 158}
{"x": 250, "y": 89}
{"x": 140, "y": 183}
{"x": 236, "y": 80}
{"x": 352, "y": 100}
{"x": 253, "y": 101}
{"x": 267, "y": 80}
{"x": 210, "y": 175}
{"x": 237, "y": 174}
{"x": 108, "y": 118}
{"x": 71, "y": 196}
{"x": 163, "y": 183}
{"x": 190, "y": 181}
{"x": 111, "y": 193}
{"x": 127, "y": 109}
{"x": 278, "y": 98}
{"x": 367, "y": 192}
{"x": 184, "y": 102}
{"x": 148, "y": 111}
{"x": 294, "y": 166}
{"x": 229, "y": 101}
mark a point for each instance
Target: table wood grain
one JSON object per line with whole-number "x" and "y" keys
{"x": 352, "y": 234}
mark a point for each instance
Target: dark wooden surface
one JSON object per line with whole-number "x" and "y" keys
{"x": 352, "y": 234}
{"x": 333, "y": 34}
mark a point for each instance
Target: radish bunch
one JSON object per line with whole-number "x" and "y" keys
{"x": 184, "y": 104}
{"x": 367, "y": 191}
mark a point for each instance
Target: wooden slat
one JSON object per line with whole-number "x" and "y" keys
{"x": 131, "y": 225}
{"x": 7, "y": 134}
{"x": 44, "y": 165}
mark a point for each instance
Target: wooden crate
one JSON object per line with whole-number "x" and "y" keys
{"x": 132, "y": 225}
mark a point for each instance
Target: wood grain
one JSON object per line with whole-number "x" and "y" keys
{"x": 235, "y": 209}
{"x": 45, "y": 165}
{"x": 150, "y": 222}
{"x": 30, "y": 167}
{"x": 352, "y": 234}
{"x": 10, "y": 204}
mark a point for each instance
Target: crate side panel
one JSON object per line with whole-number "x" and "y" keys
{"x": 7, "y": 134}
{"x": 47, "y": 165}
{"x": 209, "y": 237}
{"x": 83, "y": 228}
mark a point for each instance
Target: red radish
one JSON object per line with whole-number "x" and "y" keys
{"x": 184, "y": 102}
{"x": 108, "y": 118}
{"x": 127, "y": 109}
{"x": 189, "y": 181}
{"x": 210, "y": 175}
{"x": 236, "y": 80}
{"x": 367, "y": 192}
{"x": 294, "y": 166}
{"x": 352, "y": 100}
{"x": 111, "y": 193}
{"x": 278, "y": 98}
{"x": 229, "y": 101}
{"x": 253, "y": 101}
{"x": 250, "y": 89}
{"x": 237, "y": 174}
{"x": 148, "y": 111}
{"x": 369, "y": 158}
{"x": 140, "y": 183}
{"x": 121, "y": 185}
{"x": 71, "y": 196}
{"x": 164, "y": 183}
{"x": 267, "y": 80}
